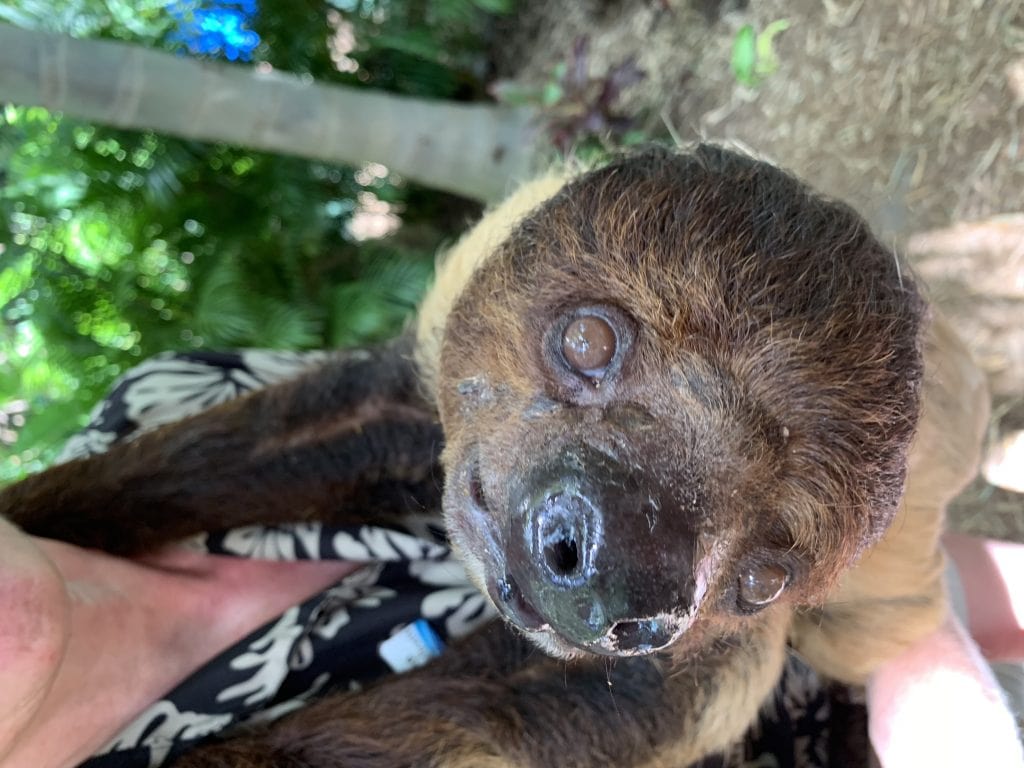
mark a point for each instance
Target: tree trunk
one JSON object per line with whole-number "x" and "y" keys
{"x": 476, "y": 150}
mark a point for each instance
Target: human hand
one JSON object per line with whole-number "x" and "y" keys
{"x": 87, "y": 640}
{"x": 36, "y": 611}
{"x": 938, "y": 704}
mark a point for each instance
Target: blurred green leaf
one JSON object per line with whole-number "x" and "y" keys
{"x": 286, "y": 326}
{"x": 767, "y": 62}
{"x": 15, "y": 278}
{"x": 223, "y": 314}
{"x": 753, "y": 54}
{"x": 744, "y": 55}
{"x": 46, "y": 427}
{"x": 552, "y": 94}
{"x": 416, "y": 42}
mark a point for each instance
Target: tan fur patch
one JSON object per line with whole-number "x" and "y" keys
{"x": 457, "y": 266}
{"x": 895, "y": 595}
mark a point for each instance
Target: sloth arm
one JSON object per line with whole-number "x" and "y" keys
{"x": 345, "y": 443}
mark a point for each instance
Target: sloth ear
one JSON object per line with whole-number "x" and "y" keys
{"x": 349, "y": 442}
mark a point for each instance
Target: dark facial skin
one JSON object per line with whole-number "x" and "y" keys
{"x": 666, "y": 410}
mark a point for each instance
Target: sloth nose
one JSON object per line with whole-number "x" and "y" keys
{"x": 565, "y": 532}
{"x": 592, "y": 556}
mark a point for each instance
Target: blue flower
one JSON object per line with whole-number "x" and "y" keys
{"x": 215, "y": 27}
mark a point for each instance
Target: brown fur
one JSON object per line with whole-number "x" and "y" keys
{"x": 350, "y": 438}
{"x": 777, "y": 340}
{"x": 895, "y": 594}
{"x": 771, "y": 387}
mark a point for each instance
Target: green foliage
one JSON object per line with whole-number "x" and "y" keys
{"x": 753, "y": 54}
{"x": 117, "y": 245}
{"x": 139, "y": 20}
{"x": 433, "y": 48}
{"x": 120, "y": 245}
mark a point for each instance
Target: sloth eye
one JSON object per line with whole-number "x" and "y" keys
{"x": 762, "y": 584}
{"x": 588, "y": 344}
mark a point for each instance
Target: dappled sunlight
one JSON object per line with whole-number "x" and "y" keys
{"x": 373, "y": 218}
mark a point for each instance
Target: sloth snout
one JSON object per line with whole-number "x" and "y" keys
{"x": 588, "y": 563}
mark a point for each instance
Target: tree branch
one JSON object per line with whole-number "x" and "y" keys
{"x": 476, "y": 150}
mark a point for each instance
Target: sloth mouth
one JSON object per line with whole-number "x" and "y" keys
{"x": 628, "y": 637}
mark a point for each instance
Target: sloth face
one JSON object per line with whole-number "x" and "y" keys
{"x": 679, "y": 395}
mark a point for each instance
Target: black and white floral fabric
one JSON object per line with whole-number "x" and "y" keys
{"x": 397, "y": 612}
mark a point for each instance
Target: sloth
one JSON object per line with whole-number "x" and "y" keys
{"x": 692, "y": 413}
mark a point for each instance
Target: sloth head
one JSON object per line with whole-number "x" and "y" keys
{"x": 678, "y": 395}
